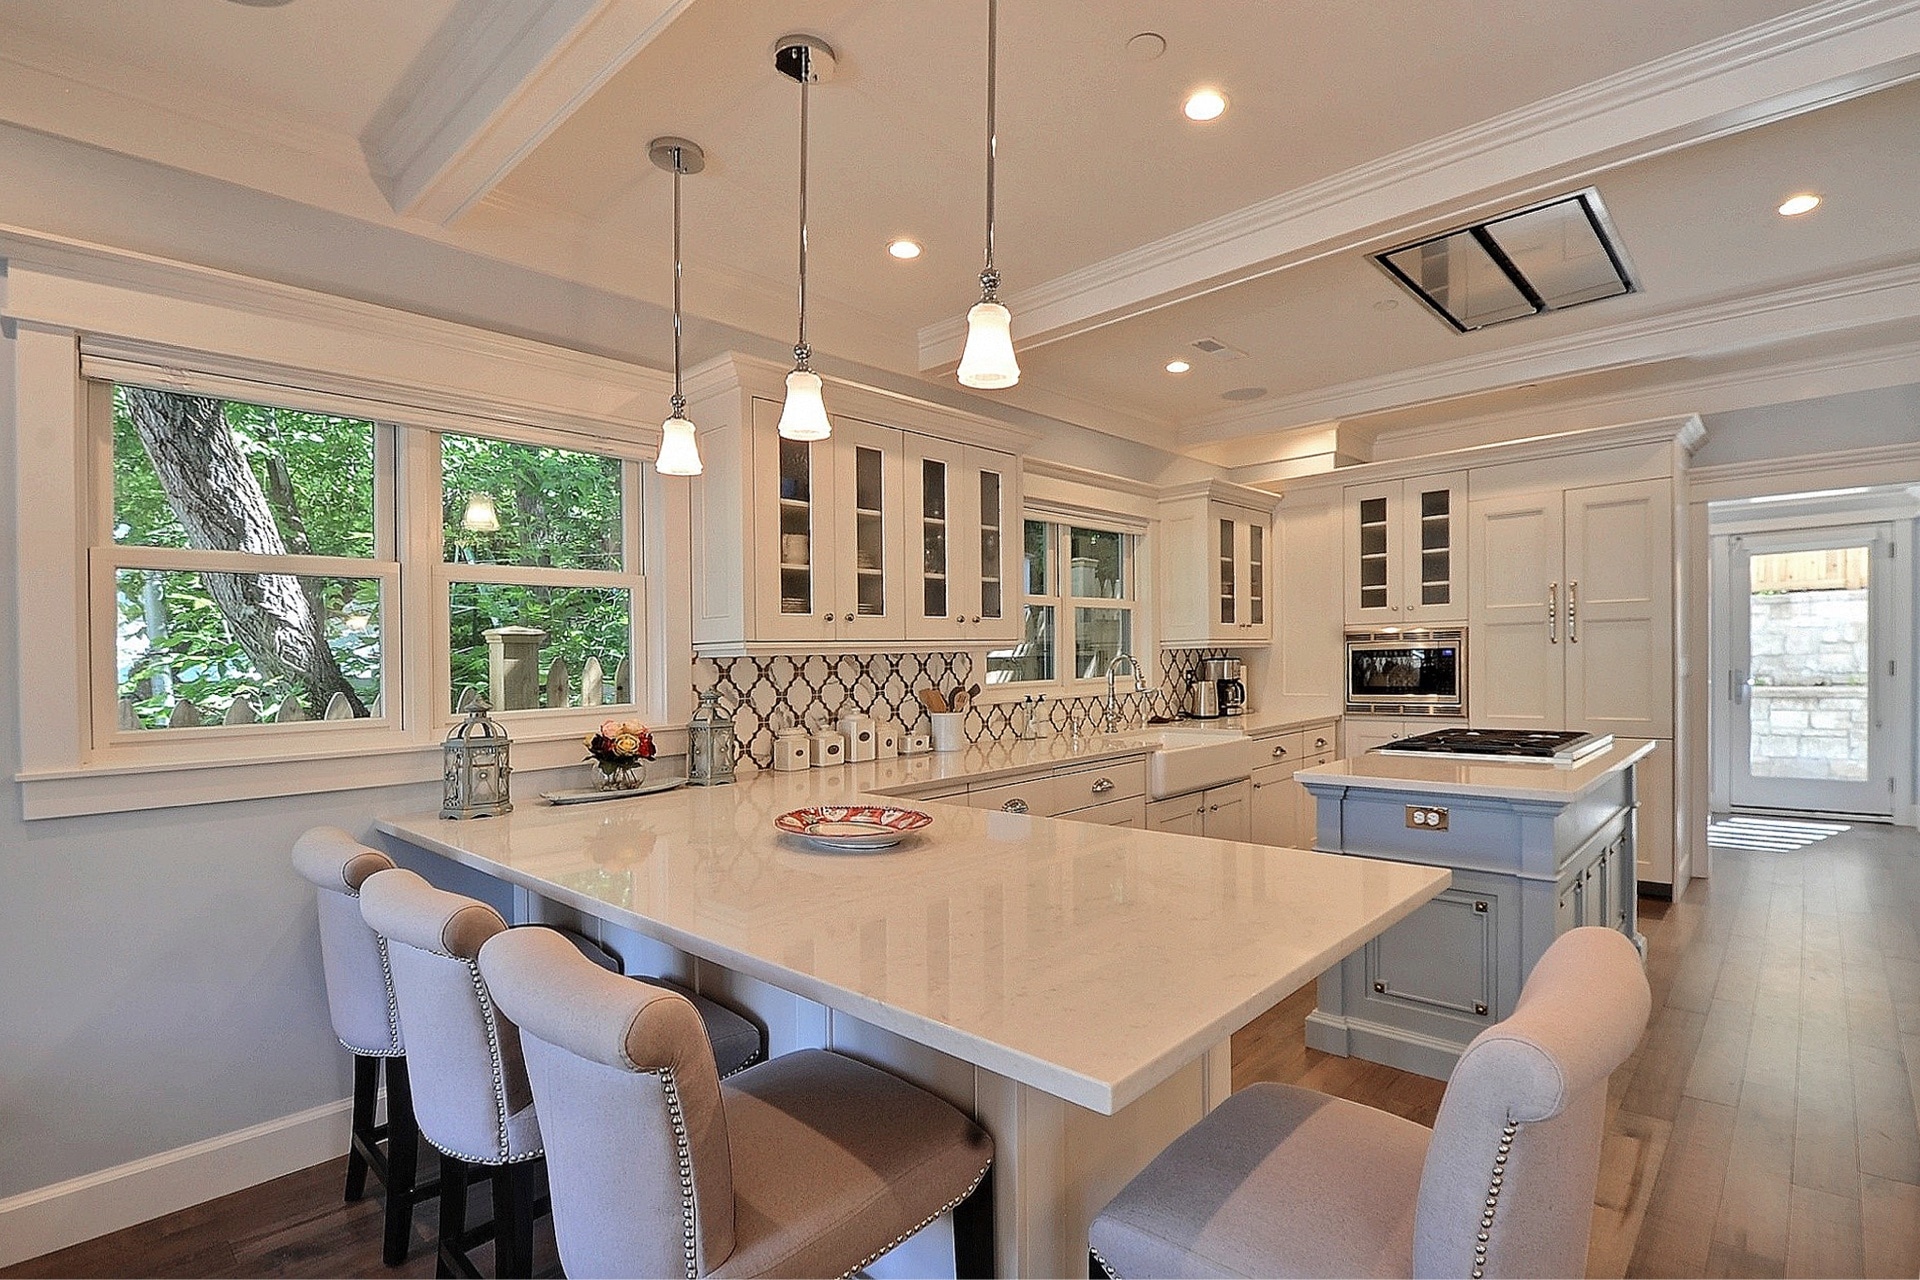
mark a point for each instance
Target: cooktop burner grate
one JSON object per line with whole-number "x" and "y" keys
{"x": 1559, "y": 747}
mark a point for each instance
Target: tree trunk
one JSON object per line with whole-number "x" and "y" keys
{"x": 220, "y": 504}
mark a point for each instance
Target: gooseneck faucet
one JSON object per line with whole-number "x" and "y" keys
{"x": 1139, "y": 685}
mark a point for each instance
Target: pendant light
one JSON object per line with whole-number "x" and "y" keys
{"x": 807, "y": 60}
{"x": 679, "y": 451}
{"x": 988, "y": 362}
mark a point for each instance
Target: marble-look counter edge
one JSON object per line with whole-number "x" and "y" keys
{"x": 1546, "y": 783}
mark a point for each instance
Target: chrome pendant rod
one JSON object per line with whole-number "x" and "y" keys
{"x": 679, "y": 166}
{"x": 801, "y": 351}
{"x": 990, "y": 278}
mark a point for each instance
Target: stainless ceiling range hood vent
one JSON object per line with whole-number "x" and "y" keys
{"x": 1546, "y": 257}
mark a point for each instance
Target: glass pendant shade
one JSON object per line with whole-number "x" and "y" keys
{"x": 988, "y": 360}
{"x": 679, "y": 454}
{"x": 804, "y": 416}
{"x": 481, "y": 516}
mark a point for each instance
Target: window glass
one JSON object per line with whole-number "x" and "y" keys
{"x": 1099, "y": 636}
{"x": 1032, "y": 658}
{"x": 237, "y": 648}
{"x": 523, "y": 647}
{"x": 516, "y": 504}
{"x": 226, "y": 475}
{"x": 1038, "y": 558}
{"x": 1096, "y": 566}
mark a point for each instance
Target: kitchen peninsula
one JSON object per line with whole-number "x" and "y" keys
{"x": 1535, "y": 848}
{"x": 1072, "y": 985}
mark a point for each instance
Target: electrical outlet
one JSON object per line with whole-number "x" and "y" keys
{"x": 1426, "y": 817}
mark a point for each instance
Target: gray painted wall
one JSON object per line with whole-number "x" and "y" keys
{"x": 1856, "y": 420}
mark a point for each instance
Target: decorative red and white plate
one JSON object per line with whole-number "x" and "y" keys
{"x": 853, "y": 826}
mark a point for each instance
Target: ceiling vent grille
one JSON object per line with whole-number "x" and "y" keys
{"x": 1545, "y": 257}
{"x": 1217, "y": 349}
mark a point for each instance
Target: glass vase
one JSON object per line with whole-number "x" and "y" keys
{"x": 623, "y": 777}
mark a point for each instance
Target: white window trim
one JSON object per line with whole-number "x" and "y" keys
{"x": 1144, "y": 648}
{"x": 427, "y": 373}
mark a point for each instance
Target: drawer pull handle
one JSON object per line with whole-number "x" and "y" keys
{"x": 1479, "y": 1008}
{"x": 1319, "y": 743}
{"x": 1015, "y": 805}
{"x": 1480, "y": 906}
{"x": 1102, "y": 786}
{"x": 1278, "y": 752}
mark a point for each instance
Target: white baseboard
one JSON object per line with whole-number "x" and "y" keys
{"x": 66, "y": 1213}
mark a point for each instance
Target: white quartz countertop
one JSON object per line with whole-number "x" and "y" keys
{"x": 1090, "y": 962}
{"x": 1509, "y": 781}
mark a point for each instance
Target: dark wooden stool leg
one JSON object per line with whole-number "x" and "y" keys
{"x": 973, "y": 1232}
{"x": 361, "y": 1135}
{"x": 514, "y": 1188}
{"x": 403, "y": 1163}
{"x": 453, "y": 1219}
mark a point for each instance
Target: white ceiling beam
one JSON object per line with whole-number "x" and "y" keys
{"x": 1752, "y": 321}
{"x": 493, "y": 89}
{"x": 1797, "y": 63}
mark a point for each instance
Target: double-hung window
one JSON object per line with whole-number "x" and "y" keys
{"x": 1081, "y": 593}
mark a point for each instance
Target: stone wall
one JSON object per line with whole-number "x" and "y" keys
{"x": 1809, "y": 663}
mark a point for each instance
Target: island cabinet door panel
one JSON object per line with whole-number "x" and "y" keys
{"x": 1516, "y": 675}
{"x": 1618, "y": 609}
{"x": 1441, "y": 962}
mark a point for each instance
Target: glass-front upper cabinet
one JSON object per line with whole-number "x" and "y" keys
{"x": 1404, "y": 562}
{"x": 961, "y": 499}
{"x": 1240, "y": 559}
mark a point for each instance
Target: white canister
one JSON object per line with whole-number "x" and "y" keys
{"x": 858, "y": 732}
{"x": 915, "y": 744}
{"x": 792, "y": 751}
{"x": 886, "y": 740}
{"x": 949, "y": 730}
{"x": 829, "y": 748}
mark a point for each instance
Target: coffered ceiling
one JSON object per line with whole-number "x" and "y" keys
{"x": 516, "y": 130}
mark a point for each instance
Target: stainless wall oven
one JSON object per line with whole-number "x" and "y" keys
{"x": 1407, "y": 672}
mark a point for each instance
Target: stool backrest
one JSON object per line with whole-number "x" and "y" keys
{"x": 1516, "y": 1147}
{"x": 464, "y": 1058}
{"x": 630, "y": 1111}
{"x": 359, "y": 986}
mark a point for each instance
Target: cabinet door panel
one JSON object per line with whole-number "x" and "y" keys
{"x": 1181, "y": 815}
{"x": 1373, "y": 555}
{"x": 1619, "y": 609}
{"x": 1442, "y": 957}
{"x": 864, "y": 552}
{"x": 1516, "y": 675}
{"x": 1433, "y": 549}
{"x": 792, "y": 490}
{"x": 1228, "y": 812}
{"x": 1273, "y": 812}
{"x": 992, "y": 594}
{"x": 936, "y": 538}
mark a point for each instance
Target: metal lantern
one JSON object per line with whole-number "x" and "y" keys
{"x": 711, "y": 746}
{"x": 476, "y": 772}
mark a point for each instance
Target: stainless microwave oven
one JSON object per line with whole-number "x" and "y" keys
{"x": 1407, "y": 672}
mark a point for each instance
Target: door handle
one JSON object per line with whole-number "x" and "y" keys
{"x": 1553, "y": 613}
{"x": 1573, "y": 612}
{"x": 1738, "y": 686}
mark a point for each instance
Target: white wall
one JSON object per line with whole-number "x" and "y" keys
{"x": 1856, "y": 420}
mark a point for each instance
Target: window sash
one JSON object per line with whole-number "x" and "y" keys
{"x": 1064, "y": 604}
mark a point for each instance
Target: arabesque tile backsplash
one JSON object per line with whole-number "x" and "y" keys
{"x": 884, "y": 685}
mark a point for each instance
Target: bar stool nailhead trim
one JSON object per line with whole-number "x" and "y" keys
{"x": 1493, "y": 1200}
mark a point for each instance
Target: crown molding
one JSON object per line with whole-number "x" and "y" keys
{"x": 1749, "y": 320}
{"x": 1685, "y": 431}
{"x": 1873, "y": 465}
{"x": 495, "y": 90}
{"x": 1796, "y": 63}
{"x": 1068, "y": 473}
{"x": 1220, "y": 490}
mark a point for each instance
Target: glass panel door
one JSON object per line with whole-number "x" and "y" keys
{"x": 1373, "y": 553}
{"x": 869, "y": 532}
{"x": 1436, "y": 547}
{"x": 796, "y": 527}
{"x": 1228, "y": 578}
{"x": 1257, "y": 573}
{"x": 933, "y": 538}
{"x": 1808, "y": 653}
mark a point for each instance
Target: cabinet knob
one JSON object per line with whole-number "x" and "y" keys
{"x": 849, "y": 617}
{"x": 976, "y": 618}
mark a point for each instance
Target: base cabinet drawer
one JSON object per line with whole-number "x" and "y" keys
{"x": 1120, "y": 780}
{"x": 1130, "y": 812}
{"x": 1039, "y": 796}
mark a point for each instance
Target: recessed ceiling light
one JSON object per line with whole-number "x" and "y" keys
{"x": 1178, "y": 366}
{"x": 1205, "y": 104}
{"x": 904, "y": 249}
{"x": 1805, "y": 202}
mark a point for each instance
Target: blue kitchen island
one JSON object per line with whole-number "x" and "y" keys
{"x": 1535, "y": 849}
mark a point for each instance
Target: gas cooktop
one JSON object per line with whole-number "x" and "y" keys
{"x": 1517, "y": 745}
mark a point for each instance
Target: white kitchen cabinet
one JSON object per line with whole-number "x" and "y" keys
{"x": 1272, "y": 813}
{"x": 1216, "y": 565}
{"x": 1405, "y": 551}
{"x": 1571, "y": 621}
{"x": 1220, "y": 813}
{"x": 1130, "y": 812}
{"x": 808, "y": 547}
{"x": 1363, "y": 733}
{"x": 962, "y": 503}
{"x": 1282, "y": 810}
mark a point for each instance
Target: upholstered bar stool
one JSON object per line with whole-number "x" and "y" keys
{"x": 360, "y": 998}
{"x": 1279, "y": 1181}
{"x": 809, "y": 1165}
{"x": 473, "y": 1101}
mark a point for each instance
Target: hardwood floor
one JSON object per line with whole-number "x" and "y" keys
{"x": 1765, "y": 1126}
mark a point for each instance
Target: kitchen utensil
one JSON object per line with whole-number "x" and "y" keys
{"x": 852, "y": 828}
{"x": 933, "y": 700}
{"x": 958, "y": 702}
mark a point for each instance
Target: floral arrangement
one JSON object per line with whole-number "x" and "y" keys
{"x": 619, "y": 745}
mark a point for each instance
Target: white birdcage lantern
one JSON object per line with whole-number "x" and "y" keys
{"x": 476, "y": 767}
